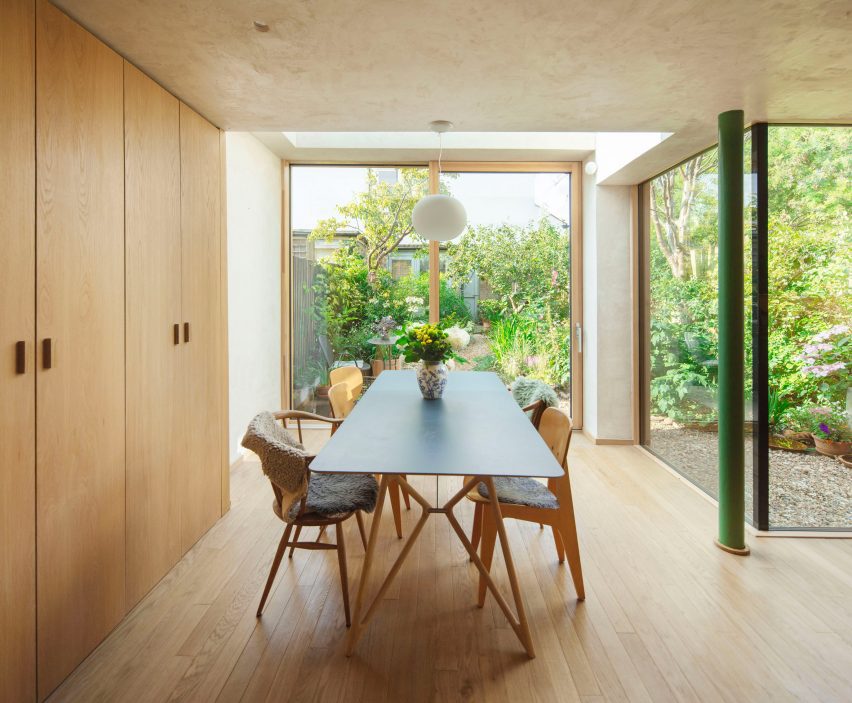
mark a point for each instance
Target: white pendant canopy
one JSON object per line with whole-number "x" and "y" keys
{"x": 439, "y": 217}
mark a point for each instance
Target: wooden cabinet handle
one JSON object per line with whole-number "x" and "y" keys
{"x": 20, "y": 357}
{"x": 185, "y": 331}
{"x": 47, "y": 353}
{"x": 177, "y": 333}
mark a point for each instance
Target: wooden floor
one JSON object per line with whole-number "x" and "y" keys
{"x": 668, "y": 616}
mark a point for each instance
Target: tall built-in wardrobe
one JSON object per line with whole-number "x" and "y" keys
{"x": 113, "y": 377}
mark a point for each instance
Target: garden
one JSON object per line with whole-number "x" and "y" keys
{"x": 809, "y": 316}
{"x": 521, "y": 327}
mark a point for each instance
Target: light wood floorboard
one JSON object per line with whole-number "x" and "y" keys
{"x": 668, "y": 616}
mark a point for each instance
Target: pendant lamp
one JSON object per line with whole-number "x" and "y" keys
{"x": 439, "y": 217}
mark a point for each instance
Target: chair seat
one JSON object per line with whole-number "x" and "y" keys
{"x": 331, "y": 495}
{"x": 521, "y": 491}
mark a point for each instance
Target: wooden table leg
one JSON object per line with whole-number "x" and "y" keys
{"x": 358, "y": 623}
{"x": 355, "y": 629}
{"x": 526, "y": 640}
{"x": 519, "y": 624}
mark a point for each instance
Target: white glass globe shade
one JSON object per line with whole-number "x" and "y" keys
{"x": 439, "y": 217}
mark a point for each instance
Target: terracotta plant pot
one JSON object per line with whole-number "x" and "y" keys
{"x": 322, "y": 391}
{"x": 831, "y": 448}
{"x": 803, "y": 437}
{"x": 787, "y": 444}
{"x": 846, "y": 460}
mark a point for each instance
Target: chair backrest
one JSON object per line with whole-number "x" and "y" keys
{"x": 532, "y": 392}
{"x": 555, "y": 430}
{"x": 351, "y": 376}
{"x": 341, "y": 400}
{"x": 284, "y": 460}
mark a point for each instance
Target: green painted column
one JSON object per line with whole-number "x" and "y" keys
{"x": 731, "y": 358}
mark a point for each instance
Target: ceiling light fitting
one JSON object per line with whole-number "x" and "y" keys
{"x": 260, "y": 26}
{"x": 439, "y": 217}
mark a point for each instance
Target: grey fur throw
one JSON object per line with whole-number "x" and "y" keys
{"x": 281, "y": 456}
{"x": 529, "y": 390}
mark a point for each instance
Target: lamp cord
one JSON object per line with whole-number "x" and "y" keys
{"x": 440, "y": 152}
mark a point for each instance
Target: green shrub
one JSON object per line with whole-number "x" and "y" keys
{"x": 524, "y": 345}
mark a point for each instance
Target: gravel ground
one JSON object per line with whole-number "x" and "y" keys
{"x": 805, "y": 490}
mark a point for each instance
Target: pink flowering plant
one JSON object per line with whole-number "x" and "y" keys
{"x": 827, "y": 356}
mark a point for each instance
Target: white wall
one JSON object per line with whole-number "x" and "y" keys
{"x": 254, "y": 281}
{"x": 607, "y": 311}
{"x": 590, "y": 307}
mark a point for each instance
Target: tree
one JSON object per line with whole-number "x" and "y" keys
{"x": 379, "y": 217}
{"x": 674, "y": 196}
{"x": 522, "y": 265}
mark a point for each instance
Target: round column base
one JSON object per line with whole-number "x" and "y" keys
{"x": 745, "y": 551}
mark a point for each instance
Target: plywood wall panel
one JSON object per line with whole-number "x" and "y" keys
{"x": 17, "y": 324}
{"x": 153, "y": 274}
{"x": 201, "y": 258}
{"x": 80, "y": 449}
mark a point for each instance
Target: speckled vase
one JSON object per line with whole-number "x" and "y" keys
{"x": 432, "y": 379}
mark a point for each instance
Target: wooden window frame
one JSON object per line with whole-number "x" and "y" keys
{"x": 573, "y": 168}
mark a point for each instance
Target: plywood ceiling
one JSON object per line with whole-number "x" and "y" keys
{"x": 491, "y": 65}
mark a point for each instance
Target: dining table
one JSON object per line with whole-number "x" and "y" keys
{"x": 476, "y": 430}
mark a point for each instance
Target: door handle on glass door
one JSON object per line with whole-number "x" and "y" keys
{"x": 579, "y": 339}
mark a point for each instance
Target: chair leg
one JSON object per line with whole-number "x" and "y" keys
{"x": 360, "y": 520}
{"x": 560, "y": 547}
{"x": 476, "y": 533}
{"x": 406, "y": 498}
{"x": 344, "y": 578}
{"x": 296, "y": 539}
{"x": 321, "y": 532}
{"x": 393, "y": 491}
{"x": 568, "y": 530}
{"x": 276, "y": 562}
{"x": 486, "y": 551}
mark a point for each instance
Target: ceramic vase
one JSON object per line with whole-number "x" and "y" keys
{"x": 432, "y": 379}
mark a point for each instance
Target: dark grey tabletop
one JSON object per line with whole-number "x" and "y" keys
{"x": 476, "y": 428}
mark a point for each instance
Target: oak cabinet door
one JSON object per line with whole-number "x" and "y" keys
{"x": 153, "y": 290}
{"x": 201, "y": 483}
{"x": 17, "y": 351}
{"x": 80, "y": 447}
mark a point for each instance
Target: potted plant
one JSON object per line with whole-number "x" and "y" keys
{"x": 778, "y": 408}
{"x": 431, "y": 346}
{"x": 831, "y": 433}
{"x": 489, "y": 311}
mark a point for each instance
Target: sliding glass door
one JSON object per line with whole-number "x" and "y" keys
{"x": 354, "y": 260}
{"x": 798, "y": 308}
{"x": 513, "y": 267}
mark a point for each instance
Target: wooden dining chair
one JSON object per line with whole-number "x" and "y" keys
{"x": 320, "y": 501}
{"x": 351, "y": 376}
{"x": 341, "y": 405}
{"x": 532, "y": 501}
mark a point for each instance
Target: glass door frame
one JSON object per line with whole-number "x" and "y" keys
{"x": 574, "y": 169}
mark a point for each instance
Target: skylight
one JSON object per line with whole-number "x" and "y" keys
{"x": 452, "y": 140}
